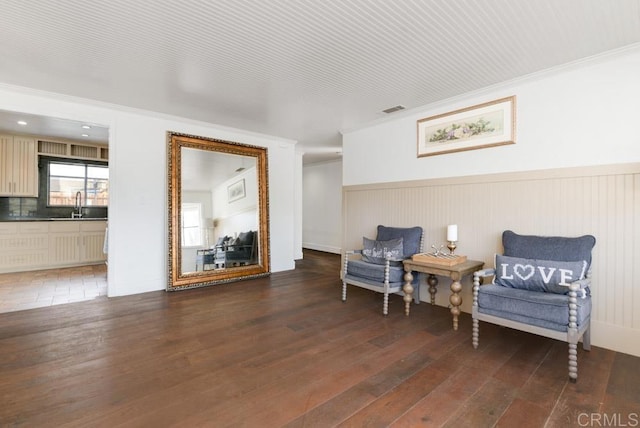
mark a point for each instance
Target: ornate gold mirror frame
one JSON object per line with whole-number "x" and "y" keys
{"x": 244, "y": 188}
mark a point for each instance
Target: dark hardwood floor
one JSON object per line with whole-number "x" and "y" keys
{"x": 285, "y": 351}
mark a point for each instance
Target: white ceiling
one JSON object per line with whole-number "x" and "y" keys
{"x": 299, "y": 69}
{"x": 52, "y": 127}
{"x": 203, "y": 171}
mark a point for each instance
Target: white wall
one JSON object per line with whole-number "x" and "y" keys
{"x": 579, "y": 116}
{"x": 222, "y": 208}
{"x": 297, "y": 245}
{"x": 138, "y": 182}
{"x": 241, "y": 215}
{"x": 582, "y": 115}
{"x": 322, "y": 207}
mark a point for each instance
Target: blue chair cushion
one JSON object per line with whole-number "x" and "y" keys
{"x": 546, "y": 310}
{"x": 548, "y": 247}
{"x": 374, "y": 272}
{"x": 411, "y": 237}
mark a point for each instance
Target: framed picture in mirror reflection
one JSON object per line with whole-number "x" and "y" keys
{"x": 236, "y": 190}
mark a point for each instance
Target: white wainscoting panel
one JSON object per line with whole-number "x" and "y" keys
{"x": 603, "y": 201}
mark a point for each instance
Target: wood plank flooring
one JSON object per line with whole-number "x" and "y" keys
{"x": 285, "y": 351}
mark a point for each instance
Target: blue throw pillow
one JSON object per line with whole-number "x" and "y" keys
{"x": 538, "y": 275}
{"x": 377, "y": 251}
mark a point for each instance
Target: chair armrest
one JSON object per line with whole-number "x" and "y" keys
{"x": 484, "y": 272}
{"x": 578, "y": 287}
{"x": 343, "y": 271}
{"x": 580, "y": 284}
{"x": 477, "y": 276}
{"x": 238, "y": 247}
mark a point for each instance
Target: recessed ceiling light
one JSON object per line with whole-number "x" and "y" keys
{"x": 86, "y": 127}
{"x": 85, "y": 135}
{"x": 22, "y": 122}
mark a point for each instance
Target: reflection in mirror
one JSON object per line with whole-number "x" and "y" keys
{"x": 218, "y": 211}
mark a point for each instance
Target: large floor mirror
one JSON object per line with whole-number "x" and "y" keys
{"x": 218, "y": 211}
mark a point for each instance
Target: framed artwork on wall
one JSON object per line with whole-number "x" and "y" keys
{"x": 484, "y": 125}
{"x": 236, "y": 190}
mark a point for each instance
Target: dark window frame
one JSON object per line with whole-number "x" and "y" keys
{"x": 47, "y": 161}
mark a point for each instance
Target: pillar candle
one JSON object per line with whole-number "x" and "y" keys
{"x": 452, "y": 232}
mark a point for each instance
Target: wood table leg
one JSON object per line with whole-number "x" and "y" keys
{"x": 455, "y": 301}
{"x": 408, "y": 291}
{"x": 433, "y": 287}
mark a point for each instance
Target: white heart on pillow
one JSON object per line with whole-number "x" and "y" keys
{"x": 521, "y": 271}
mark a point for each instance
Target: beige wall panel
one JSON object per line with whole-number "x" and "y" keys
{"x": 603, "y": 201}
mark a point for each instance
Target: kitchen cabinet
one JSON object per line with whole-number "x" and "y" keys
{"x": 18, "y": 166}
{"x": 32, "y": 245}
{"x": 64, "y": 243}
{"x": 23, "y": 246}
{"x": 76, "y": 242}
{"x": 73, "y": 150}
{"x": 92, "y": 241}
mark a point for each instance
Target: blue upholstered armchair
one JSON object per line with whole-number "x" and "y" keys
{"x": 239, "y": 251}
{"x": 380, "y": 268}
{"x": 541, "y": 285}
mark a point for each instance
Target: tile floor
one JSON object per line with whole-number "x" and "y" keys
{"x": 36, "y": 289}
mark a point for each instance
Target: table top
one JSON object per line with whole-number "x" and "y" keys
{"x": 463, "y": 268}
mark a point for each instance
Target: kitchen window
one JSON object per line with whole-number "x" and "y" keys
{"x": 66, "y": 179}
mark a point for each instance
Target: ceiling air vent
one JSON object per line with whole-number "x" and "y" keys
{"x": 393, "y": 109}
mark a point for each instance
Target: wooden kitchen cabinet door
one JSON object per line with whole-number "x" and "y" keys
{"x": 18, "y": 166}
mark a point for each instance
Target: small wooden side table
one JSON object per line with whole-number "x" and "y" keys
{"x": 455, "y": 272}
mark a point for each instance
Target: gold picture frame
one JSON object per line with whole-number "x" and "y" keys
{"x": 484, "y": 125}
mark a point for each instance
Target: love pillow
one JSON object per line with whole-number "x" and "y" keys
{"x": 538, "y": 275}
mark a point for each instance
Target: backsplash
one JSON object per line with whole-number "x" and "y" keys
{"x": 21, "y": 208}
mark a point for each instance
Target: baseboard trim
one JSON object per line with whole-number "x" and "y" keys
{"x": 616, "y": 338}
{"x": 320, "y": 247}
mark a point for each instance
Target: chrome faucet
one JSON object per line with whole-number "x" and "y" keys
{"x": 77, "y": 206}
